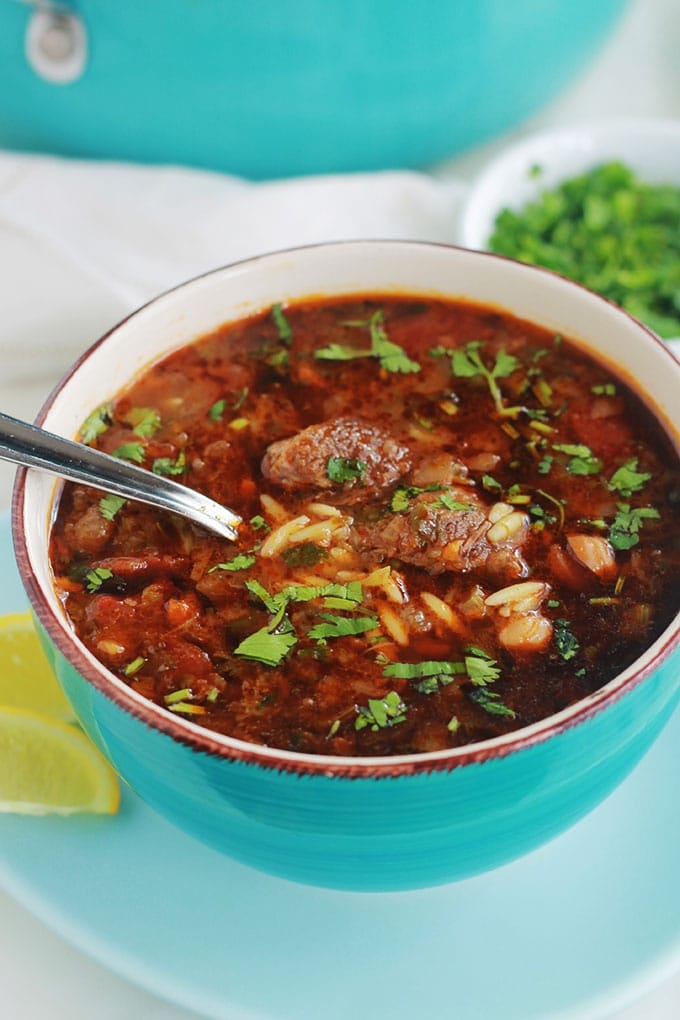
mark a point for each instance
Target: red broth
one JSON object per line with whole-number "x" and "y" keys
{"x": 455, "y": 524}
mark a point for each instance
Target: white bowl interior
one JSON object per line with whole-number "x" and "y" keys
{"x": 345, "y": 268}
{"x": 650, "y": 147}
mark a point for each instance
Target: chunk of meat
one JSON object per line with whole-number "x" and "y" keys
{"x": 301, "y": 462}
{"x": 448, "y": 529}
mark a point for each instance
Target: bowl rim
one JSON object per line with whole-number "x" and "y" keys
{"x": 230, "y": 749}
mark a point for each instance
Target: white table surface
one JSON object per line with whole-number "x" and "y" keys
{"x": 41, "y": 976}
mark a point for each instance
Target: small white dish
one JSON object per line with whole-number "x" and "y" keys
{"x": 649, "y": 147}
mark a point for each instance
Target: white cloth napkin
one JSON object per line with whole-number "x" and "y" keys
{"x": 137, "y": 230}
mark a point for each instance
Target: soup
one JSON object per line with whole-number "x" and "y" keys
{"x": 455, "y": 524}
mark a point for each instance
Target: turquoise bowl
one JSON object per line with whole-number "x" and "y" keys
{"x": 270, "y": 89}
{"x": 377, "y": 823}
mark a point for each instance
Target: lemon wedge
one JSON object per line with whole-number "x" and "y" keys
{"x": 26, "y": 678}
{"x": 47, "y": 765}
{"x": 51, "y": 767}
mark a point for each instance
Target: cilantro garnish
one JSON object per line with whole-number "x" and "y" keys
{"x": 610, "y": 230}
{"x": 217, "y": 410}
{"x": 239, "y": 562}
{"x": 145, "y": 421}
{"x": 269, "y": 644}
{"x": 110, "y": 505}
{"x": 258, "y": 523}
{"x": 491, "y": 702}
{"x": 466, "y": 363}
{"x": 97, "y": 422}
{"x": 345, "y": 469}
{"x": 623, "y": 532}
{"x": 96, "y": 577}
{"x": 306, "y": 554}
{"x": 130, "y": 451}
{"x": 627, "y": 479}
{"x": 168, "y": 466}
{"x": 582, "y": 461}
{"x": 381, "y": 713}
{"x": 282, "y": 324}
{"x": 391, "y": 356}
{"x": 565, "y": 641}
{"x": 341, "y": 626}
{"x": 403, "y": 494}
{"x": 480, "y": 667}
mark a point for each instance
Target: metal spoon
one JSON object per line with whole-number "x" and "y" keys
{"x": 31, "y": 446}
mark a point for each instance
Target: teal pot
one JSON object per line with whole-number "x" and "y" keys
{"x": 357, "y": 823}
{"x": 267, "y": 89}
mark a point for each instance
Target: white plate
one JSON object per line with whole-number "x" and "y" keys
{"x": 650, "y": 147}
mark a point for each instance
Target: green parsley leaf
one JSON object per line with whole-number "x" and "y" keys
{"x": 566, "y": 643}
{"x": 391, "y": 356}
{"x": 491, "y": 702}
{"x": 258, "y": 523}
{"x": 342, "y": 626}
{"x": 582, "y": 460}
{"x": 627, "y": 479}
{"x": 130, "y": 451}
{"x": 403, "y": 494}
{"x": 110, "y": 505}
{"x": 282, "y": 324}
{"x": 416, "y": 670}
{"x": 480, "y": 667}
{"x": 217, "y": 410}
{"x": 145, "y": 421}
{"x": 167, "y": 466}
{"x": 95, "y": 578}
{"x": 306, "y": 554}
{"x": 381, "y": 713}
{"x": 345, "y": 469}
{"x": 269, "y": 644}
{"x": 623, "y": 533}
{"x": 242, "y": 561}
{"x": 467, "y": 363}
{"x": 604, "y": 389}
{"x": 97, "y": 422}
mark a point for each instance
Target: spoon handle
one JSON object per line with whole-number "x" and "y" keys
{"x": 34, "y": 447}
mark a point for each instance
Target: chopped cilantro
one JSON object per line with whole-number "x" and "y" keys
{"x": 544, "y": 464}
{"x": 306, "y": 554}
{"x": 282, "y": 324}
{"x": 168, "y": 466}
{"x": 582, "y": 461}
{"x": 490, "y": 484}
{"x": 130, "y": 451}
{"x": 391, "y": 356}
{"x": 623, "y": 533}
{"x": 491, "y": 702}
{"x": 565, "y": 641}
{"x": 610, "y": 230}
{"x": 417, "y": 670}
{"x": 403, "y": 494}
{"x": 134, "y": 667}
{"x": 95, "y": 578}
{"x": 258, "y": 523}
{"x": 269, "y": 644}
{"x": 97, "y": 422}
{"x": 342, "y": 626}
{"x": 604, "y": 389}
{"x": 627, "y": 479}
{"x": 345, "y": 469}
{"x": 467, "y": 363}
{"x": 239, "y": 562}
{"x": 217, "y": 410}
{"x": 145, "y": 421}
{"x": 110, "y": 505}
{"x": 381, "y": 713}
{"x": 480, "y": 667}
